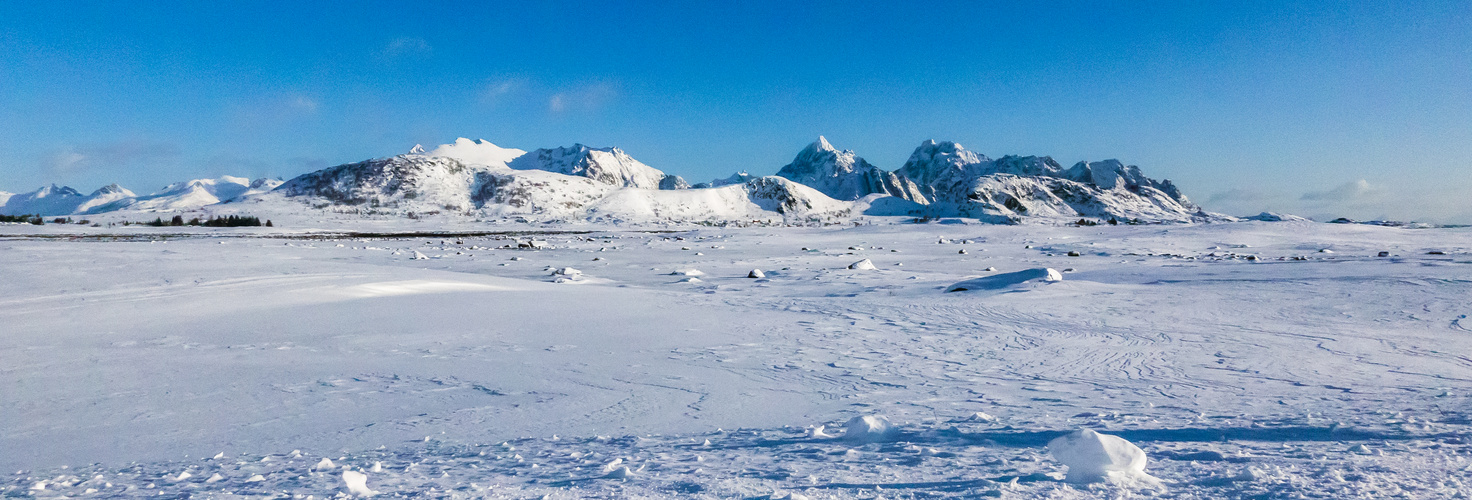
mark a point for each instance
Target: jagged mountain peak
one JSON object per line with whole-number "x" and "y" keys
{"x": 609, "y": 165}
{"x": 933, "y": 154}
{"x": 821, "y": 145}
{"x": 842, "y": 175}
{"x": 55, "y": 190}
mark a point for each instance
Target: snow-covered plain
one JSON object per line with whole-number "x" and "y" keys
{"x": 1254, "y": 359}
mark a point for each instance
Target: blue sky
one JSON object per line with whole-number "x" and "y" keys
{"x": 1362, "y": 109}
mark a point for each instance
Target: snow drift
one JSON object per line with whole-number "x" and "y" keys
{"x": 1093, "y": 457}
{"x": 1005, "y": 280}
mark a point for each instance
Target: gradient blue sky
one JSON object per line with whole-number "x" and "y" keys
{"x": 1326, "y": 108}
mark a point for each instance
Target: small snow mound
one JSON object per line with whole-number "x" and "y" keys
{"x": 1276, "y": 217}
{"x": 620, "y": 473}
{"x": 982, "y": 416}
{"x": 357, "y": 483}
{"x": 1004, "y": 280}
{"x": 1092, "y": 457}
{"x": 567, "y": 271}
{"x": 756, "y": 274}
{"x": 687, "y": 272}
{"x": 691, "y": 279}
{"x": 215, "y": 478}
{"x": 324, "y": 464}
{"x": 868, "y": 429}
{"x": 863, "y": 265}
{"x": 420, "y": 255}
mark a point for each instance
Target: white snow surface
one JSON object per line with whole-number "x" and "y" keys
{"x": 244, "y": 357}
{"x": 477, "y": 152}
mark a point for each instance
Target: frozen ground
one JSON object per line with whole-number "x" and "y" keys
{"x": 244, "y": 358}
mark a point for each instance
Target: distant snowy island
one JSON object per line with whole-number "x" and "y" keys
{"x": 478, "y": 179}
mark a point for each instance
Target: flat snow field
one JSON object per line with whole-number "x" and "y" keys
{"x": 1257, "y": 360}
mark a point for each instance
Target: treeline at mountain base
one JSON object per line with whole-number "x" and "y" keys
{"x": 227, "y": 221}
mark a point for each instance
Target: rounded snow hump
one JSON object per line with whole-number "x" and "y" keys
{"x": 1004, "y": 280}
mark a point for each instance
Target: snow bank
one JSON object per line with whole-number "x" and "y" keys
{"x": 868, "y": 429}
{"x": 357, "y": 483}
{"x": 1092, "y": 457}
{"x": 1005, "y": 280}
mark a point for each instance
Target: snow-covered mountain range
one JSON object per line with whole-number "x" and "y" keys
{"x": 179, "y": 196}
{"x": 476, "y": 177}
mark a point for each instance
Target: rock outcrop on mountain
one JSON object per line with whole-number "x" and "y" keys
{"x": 610, "y": 166}
{"x": 951, "y": 180}
{"x": 842, "y": 175}
{"x": 409, "y": 181}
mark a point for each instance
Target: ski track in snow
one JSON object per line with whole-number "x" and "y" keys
{"x": 470, "y": 374}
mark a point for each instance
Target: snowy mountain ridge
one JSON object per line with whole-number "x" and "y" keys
{"x": 179, "y": 196}
{"x": 477, "y": 177}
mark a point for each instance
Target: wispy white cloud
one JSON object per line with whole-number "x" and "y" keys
{"x": 584, "y": 98}
{"x": 498, "y": 90}
{"x": 122, "y": 154}
{"x": 1240, "y": 195}
{"x": 303, "y": 103}
{"x": 407, "y": 46}
{"x": 1359, "y": 191}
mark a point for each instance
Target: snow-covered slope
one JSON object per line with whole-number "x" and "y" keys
{"x": 842, "y": 175}
{"x": 410, "y": 182}
{"x": 476, "y": 152}
{"x": 422, "y": 183}
{"x": 111, "y": 193}
{"x": 1276, "y": 217}
{"x": 607, "y": 165}
{"x": 759, "y": 198}
{"x": 736, "y": 178}
{"x": 49, "y": 200}
{"x": 538, "y": 193}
